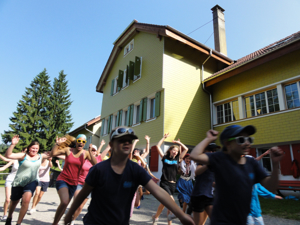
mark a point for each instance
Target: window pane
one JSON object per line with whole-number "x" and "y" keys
{"x": 235, "y": 110}
{"x": 249, "y": 104}
{"x": 220, "y": 114}
{"x": 292, "y": 95}
{"x": 152, "y": 108}
{"x": 137, "y": 119}
{"x": 125, "y": 118}
{"x": 273, "y": 100}
{"x": 227, "y": 110}
{"x": 260, "y": 103}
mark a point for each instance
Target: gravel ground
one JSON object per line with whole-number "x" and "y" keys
{"x": 47, "y": 207}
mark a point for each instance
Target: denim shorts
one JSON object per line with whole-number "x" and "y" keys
{"x": 17, "y": 192}
{"x": 61, "y": 184}
{"x": 79, "y": 187}
{"x": 44, "y": 185}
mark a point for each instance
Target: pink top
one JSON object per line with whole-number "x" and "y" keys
{"x": 71, "y": 170}
{"x": 85, "y": 169}
{"x": 44, "y": 172}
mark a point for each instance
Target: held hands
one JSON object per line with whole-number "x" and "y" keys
{"x": 176, "y": 142}
{"x": 212, "y": 135}
{"x": 60, "y": 140}
{"x": 276, "y": 154}
{"x": 15, "y": 140}
{"x": 166, "y": 135}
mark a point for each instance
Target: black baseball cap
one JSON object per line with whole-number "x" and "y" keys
{"x": 234, "y": 130}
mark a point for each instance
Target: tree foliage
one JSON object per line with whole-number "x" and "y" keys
{"x": 42, "y": 113}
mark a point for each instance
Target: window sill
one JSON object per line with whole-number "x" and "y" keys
{"x": 151, "y": 119}
{"x": 124, "y": 87}
{"x": 136, "y": 79}
{"x": 134, "y": 125}
{"x": 127, "y": 53}
{"x": 115, "y": 93}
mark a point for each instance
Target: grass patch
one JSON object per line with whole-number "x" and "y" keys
{"x": 2, "y": 182}
{"x": 285, "y": 208}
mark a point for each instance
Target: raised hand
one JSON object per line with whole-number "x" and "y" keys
{"x": 167, "y": 135}
{"x": 276, "y": 154}
{"x": 147, "y": 138}
{"x": 102, "y": 142}
{"x": 90, "y": 148}
{"x": 176, "y": 142}
{"x": 15, "y": 140}
{"x": 60, "y": 140}
{"x": 57, "y": 162}
{"x": 212, "y": 135}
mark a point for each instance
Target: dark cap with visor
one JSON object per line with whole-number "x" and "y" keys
{"x": 234, "y": 131}
{"x": 122, "y": 131}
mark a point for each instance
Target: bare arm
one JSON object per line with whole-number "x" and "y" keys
{"x": 143, "y": 164}
{"x": 56, "y": 151}
{"x": 271, "y": 182}
{"x": 104, "y": 153}
{"x": 132, "y": 148}
{"x": 50, "y": 163}
{"x": 100, "y": 147}
{"x": 58, "y": 165}
{"x": 9, "y": 152}
{"x": 151, "y": 174}
{"x": 147, "y": 147}
{"x": 7, "y": 165}
{"x": 89, "y": 155}
{"x": 262, "y": 155}
{"x": 200, "y": 169}
{"x": 162, "y": 196}
{"x": 183, "y": 151}
{"x": 5, "y": 159}
{"x": 160, "y": 152}
{"x": 82, "y": 195}
{"x": 197, "y": 154}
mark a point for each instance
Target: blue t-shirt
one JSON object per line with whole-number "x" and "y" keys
{"x": 203, "y": 184}
{"x": 233, "y": 191}
{"x": 113, "y": 193}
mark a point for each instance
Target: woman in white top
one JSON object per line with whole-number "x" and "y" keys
{"x": 43, "y": 183}
{"x": 9, "y": 179}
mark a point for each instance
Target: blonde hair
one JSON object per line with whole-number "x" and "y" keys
{"x": 70, "y": 142}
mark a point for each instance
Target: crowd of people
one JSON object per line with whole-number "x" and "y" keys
{"x": 222, "y": 183}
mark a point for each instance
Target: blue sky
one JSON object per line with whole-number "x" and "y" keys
{"x": 77, "y": 37}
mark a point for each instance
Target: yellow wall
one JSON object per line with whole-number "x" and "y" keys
{"x": 187, "y": 114}
{"x": 150, "y": 48}
{"x": 278, "y": 128}
{"x": 268, "y": 73}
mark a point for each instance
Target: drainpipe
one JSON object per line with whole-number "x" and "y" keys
{"x": 210, "y": 95}
{"x": 91, "y": 131}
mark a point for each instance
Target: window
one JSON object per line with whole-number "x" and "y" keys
{"x": 266, "y": 160}
{"x": 128, "y": 48}
{"x": 262, "y": 103}
{"x": 228, "y": 112}
{"x": 292, "y": 95}
{"x": 137, "y": 114}
{"x": 114, "y": 122}
{"x": 137, "y": 68}
{"x": 125, "y": 82}
{"x": 116, "y": 85}
{"x": 105, "y": 126}
{"x": 152, "y": 108}
{"x": 125, "y": 118}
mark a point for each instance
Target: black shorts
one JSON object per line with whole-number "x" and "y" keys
{"x": 44, "y": 185}
{"x": 199, "y": 203}
{"x": 168, "y": 186}
{"x": 17, "y": 192}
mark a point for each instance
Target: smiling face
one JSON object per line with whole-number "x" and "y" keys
{"x": 173, "y": 151}
{"x": 187, "y": 160}
{"x": 238, "y": 149}
{"x": 79, "y": 143}
{"x": 33, "y": 150}
{"x": 94, "y": 152}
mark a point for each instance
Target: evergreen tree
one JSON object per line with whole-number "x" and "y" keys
{"x": 32, "y": 115}
{"x": 61, "y": 119}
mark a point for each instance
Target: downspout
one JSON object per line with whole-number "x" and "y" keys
{"x": 210, "y": 95}
{"x": 91, "y": 131}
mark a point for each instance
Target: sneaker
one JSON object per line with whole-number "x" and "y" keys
{"x": 171, "y": 216}
{"x": 4, "y": 218}
{"x": 154, "y": 220}
{"x": 8, "y": 221}
{"x": 138, "y": 207}
{"x": 32, "y": 211}
{"x": 72, "y": 223}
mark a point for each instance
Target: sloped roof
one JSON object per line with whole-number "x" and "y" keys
{"x": 161, "y": 31}
{"x": 89, "y": 123}
{"x": 258, "y": 54}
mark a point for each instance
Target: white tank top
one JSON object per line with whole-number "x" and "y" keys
{"x": 13, "y": 172}
{"x": 44, "y": 172}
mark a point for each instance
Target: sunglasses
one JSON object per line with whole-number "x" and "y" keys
{"x": 121, "y": 141}
{"x": 81, "y": 141}
{"x": 93, "y": 150}
{"x": 121, "y": 130}
{"x": 241, "y": 140}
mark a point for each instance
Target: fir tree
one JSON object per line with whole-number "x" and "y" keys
{"x": 32, "y": 115}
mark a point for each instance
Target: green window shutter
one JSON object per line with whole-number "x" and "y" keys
{"x": 145, "y": 101}
{"x": 112, "y": 87}
{"x": 131, "y": 70}
{"x": 117, "y": 122}
{"x": 157, "y": 104}
{"x": 120, "y": 79}
{"x": 120, "y": 117}
{"x": 141, "y": 111}
{"x": 137, "y": 66}
{"x": 109, "y": 123}
{"x": 102, "y": 126}
{"x": 131, "y": 115}
{"x": 127, "y": 73}
{"x": 128, "y": 117}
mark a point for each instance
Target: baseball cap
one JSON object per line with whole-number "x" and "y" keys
{"x": 122, "y": 131}
{"x": 234, "y": 130}
{"x": 212, "y": 147}
{"x": 95, "y": 147}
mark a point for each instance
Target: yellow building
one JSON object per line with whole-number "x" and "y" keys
{"x": 263, "y": 89}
